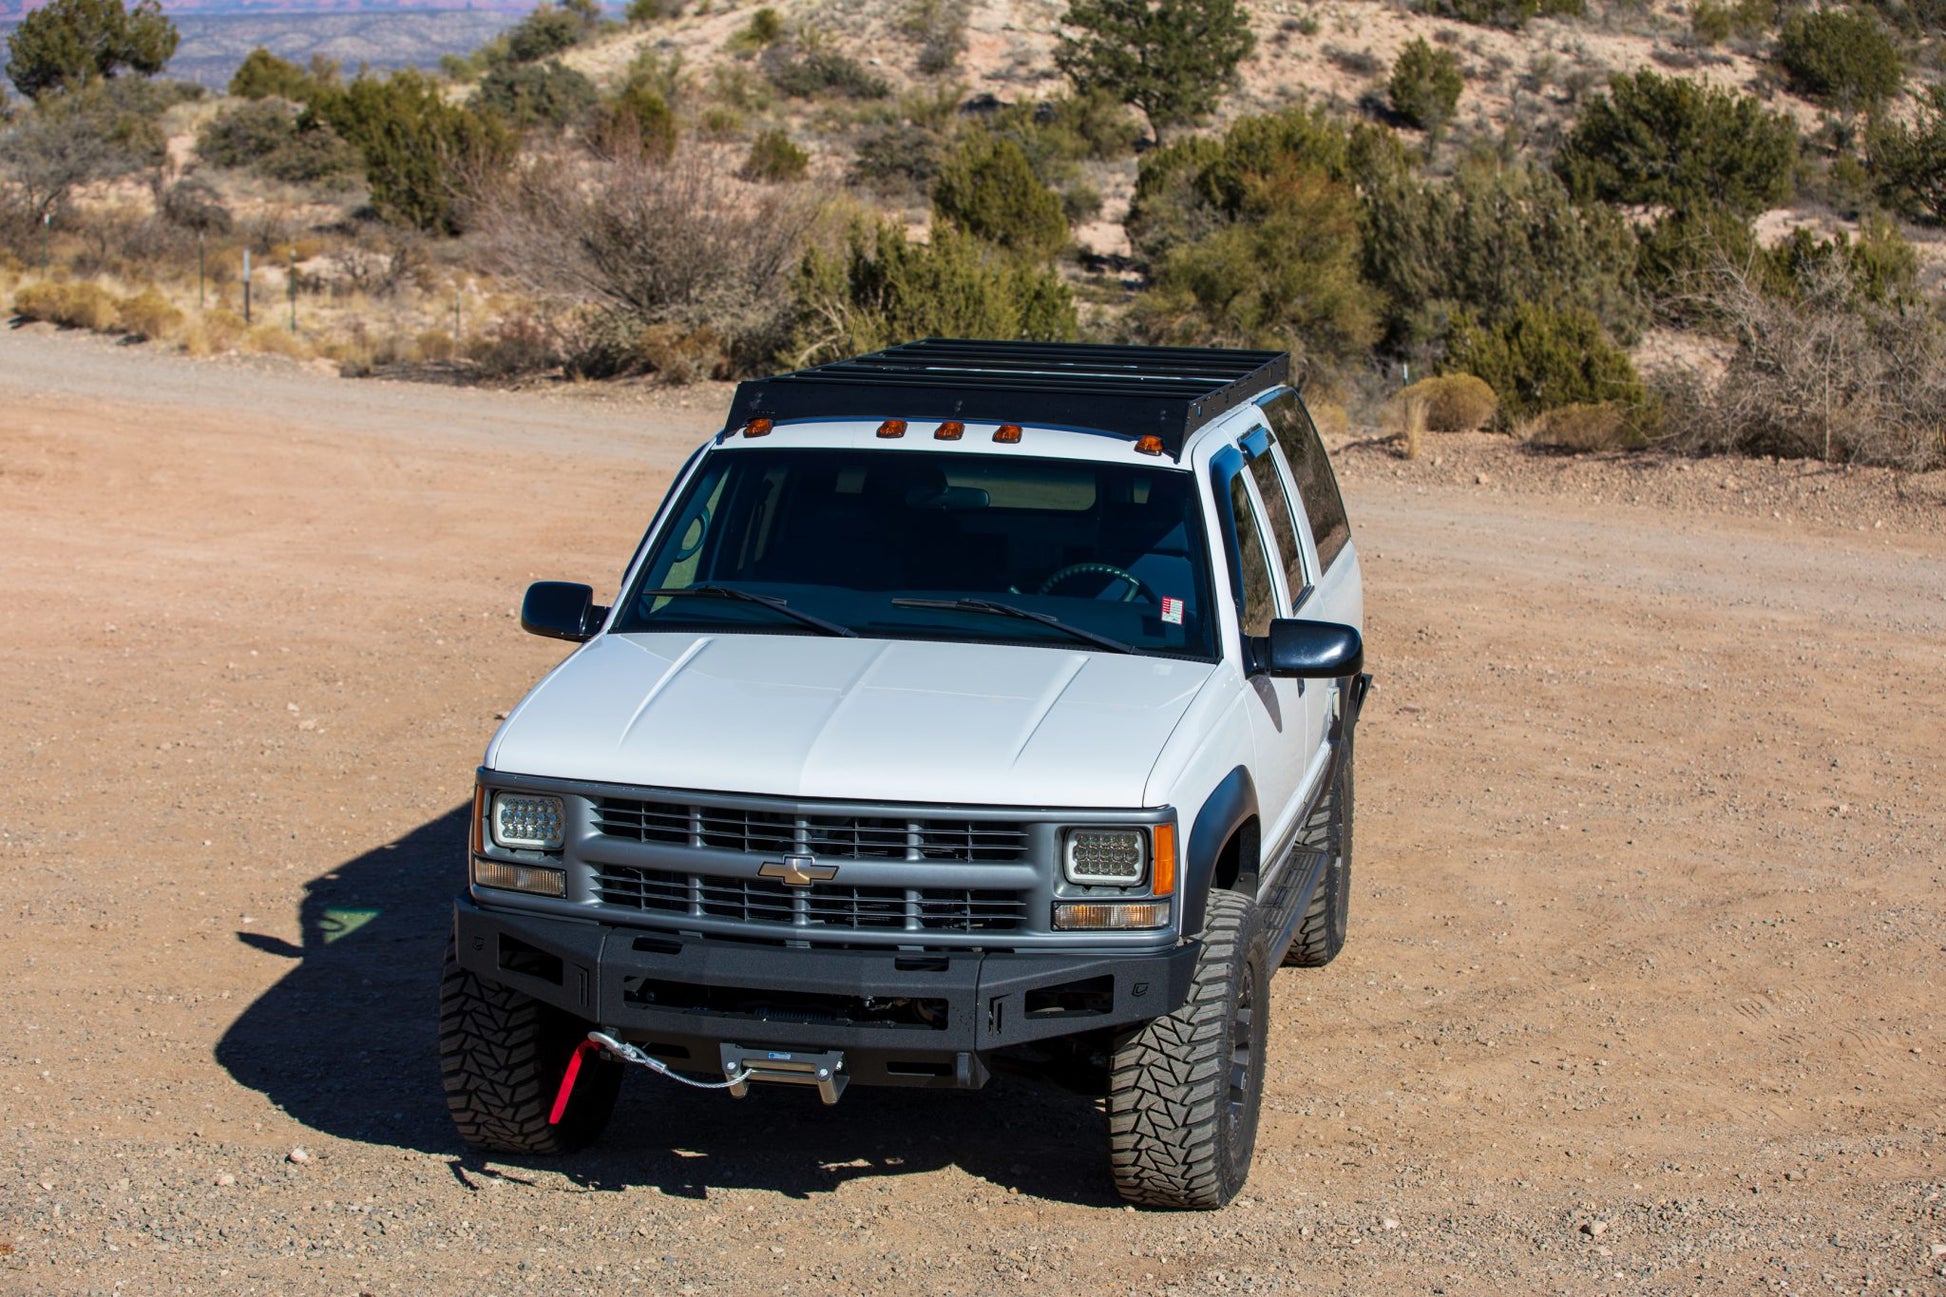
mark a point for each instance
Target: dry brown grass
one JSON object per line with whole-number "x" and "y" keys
{"x": 1584, "y": 429}
{"x": 1409, "y": 414}
{"x": 1455, "y": 402}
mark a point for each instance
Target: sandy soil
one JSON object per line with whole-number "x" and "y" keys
{"x": 1642, "y": 993}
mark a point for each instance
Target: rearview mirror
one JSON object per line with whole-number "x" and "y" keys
{"x": 1309, "y": 650}
{"x": 561, "y": 610}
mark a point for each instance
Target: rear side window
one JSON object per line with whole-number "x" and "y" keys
{"x": 1330, "y": 528}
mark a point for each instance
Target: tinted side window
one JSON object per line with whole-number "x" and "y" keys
{"x": 1312, "y": 472}
{"x": 1277, "y": 516}
{"x": 1255, "y": 599}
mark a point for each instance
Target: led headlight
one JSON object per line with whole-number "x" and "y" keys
{"x": 1105, "y": 857}
{"x": 523, "y": 820}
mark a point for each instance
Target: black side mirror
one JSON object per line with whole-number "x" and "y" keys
{"x": 561, "y": 610}
{"x": 1309, "y": 650}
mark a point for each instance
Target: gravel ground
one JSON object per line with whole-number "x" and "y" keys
{"x": 1642, "y": 993}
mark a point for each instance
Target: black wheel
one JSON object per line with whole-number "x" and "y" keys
{"x": 502, "y": 1055}
{"x": 1321, "y": 935}
{"x": 1184, "y": 1090}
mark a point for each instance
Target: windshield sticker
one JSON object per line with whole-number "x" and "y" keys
{"x": 1172, "y": 611}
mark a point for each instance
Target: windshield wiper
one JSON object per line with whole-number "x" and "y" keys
{"x": 769, "y": 601}
{"x": 1025, "y": 614}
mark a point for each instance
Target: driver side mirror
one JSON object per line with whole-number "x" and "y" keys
{"x": 1308, "y": 650}
{"x": 561, "y": 610}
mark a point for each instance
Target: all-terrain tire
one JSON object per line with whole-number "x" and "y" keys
{"x": 502, "y": 1055}
{"x": 1321, "y": 933}
{"x": 1184, "y": 1091}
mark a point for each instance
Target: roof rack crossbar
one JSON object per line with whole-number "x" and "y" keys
{"x": 1125, "y": 391}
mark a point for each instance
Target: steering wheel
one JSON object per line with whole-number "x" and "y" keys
{"x": 1134, "y": 583}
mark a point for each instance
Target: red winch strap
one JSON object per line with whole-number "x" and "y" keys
{"x": 566, "y": 1092}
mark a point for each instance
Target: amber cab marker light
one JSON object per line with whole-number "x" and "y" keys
{"x": 1007, "y": 434}
{"x": 1163, "y": 860}
{"x": 892, "y": 428}
{"x": 951, "y": 430}
{"x": 1150, "y": 445}
{"x": 757, "y": 428}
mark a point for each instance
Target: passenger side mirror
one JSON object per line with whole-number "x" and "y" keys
{"x": 1308, "y": 650}
{"x": 561, "y": 610}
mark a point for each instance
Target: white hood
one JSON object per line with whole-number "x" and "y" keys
{"x": 870, "y": 720}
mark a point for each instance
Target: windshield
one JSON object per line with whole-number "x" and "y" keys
{"x": 900, "y": 544}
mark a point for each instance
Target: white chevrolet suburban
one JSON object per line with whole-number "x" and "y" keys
{"x": 966, "y": 705}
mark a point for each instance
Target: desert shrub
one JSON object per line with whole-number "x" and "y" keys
{"x": 544, "y": 33}
{"x": 239, "y": 136}
{"x": 636, "y": 123}
{"x": 147, "y": 314}
{"x": 765, "y": 28}
{"x": 1454, "y": 402}
{"x": 1088, "y": 126}
{"x": 514, "y": 346}
{"x": 816, "y": 73}
{"x": 1672, "y": 141}
{"x": 1509, "y": 14}
{"x": 1822, "y": 373}
{"x": 635, "y": 244}
{"x": 1840, "y": 57}
{"x": 881, "y": 289}
{"x": 421, "y": 153}
{"x": 1681, "y": 249}
{"x": 538, "y": 94}
{"x": 1539, "y": 358}
{"x": 648, "y": 11}
{"x": 1425, "y": 85}
{"x": 897, "y": 158}
{"x": 262, "y": 75}
{"x": 1880, "y": 266}
{"x": 1188, "y": 189}
{"x": 1710, "y": 23}
{"x": 986, "y": 188}
{"x": 1587, "y": 427}
{"x": 1907, "y": 160}
{"x": 939, "y": 29}
{"x": 653, "y": 70}
{"x": 193, "y": 205}
{"x": 66, "y": 44}
{"x": 76, "y": 304}
{"x": 774, "y": 158}
{"x": 271, "y": 138}
{"x": 1174, "y": 60}
{"x": 678, "y": 355}
{"x": 1493, "y": 239}
{"x": 1285, "y": 275}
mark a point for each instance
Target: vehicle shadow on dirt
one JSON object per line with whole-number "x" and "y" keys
{"x": 346, "y": 1044}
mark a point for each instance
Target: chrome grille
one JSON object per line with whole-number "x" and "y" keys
{"x": 821, "y": 905}
{"x": 834, "y": 837}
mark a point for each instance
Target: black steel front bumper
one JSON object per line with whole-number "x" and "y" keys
{"x": 902, "y": 1018}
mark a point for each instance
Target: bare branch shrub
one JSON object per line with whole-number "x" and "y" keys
{"x": 632, "y": 244}
{"x": 1824, "y": 373}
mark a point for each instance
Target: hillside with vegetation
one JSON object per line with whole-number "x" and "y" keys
{"x": 1600, "y": 225}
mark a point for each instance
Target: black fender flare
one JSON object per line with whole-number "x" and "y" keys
{"x": 1230, "y": 803}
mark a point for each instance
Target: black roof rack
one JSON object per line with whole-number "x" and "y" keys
{"x": 1125, "y": 391}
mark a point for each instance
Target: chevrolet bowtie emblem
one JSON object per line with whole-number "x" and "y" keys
{"x": 797, "y": 871}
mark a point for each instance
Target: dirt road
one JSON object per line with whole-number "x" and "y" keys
{"x": 1643, "y": 992}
